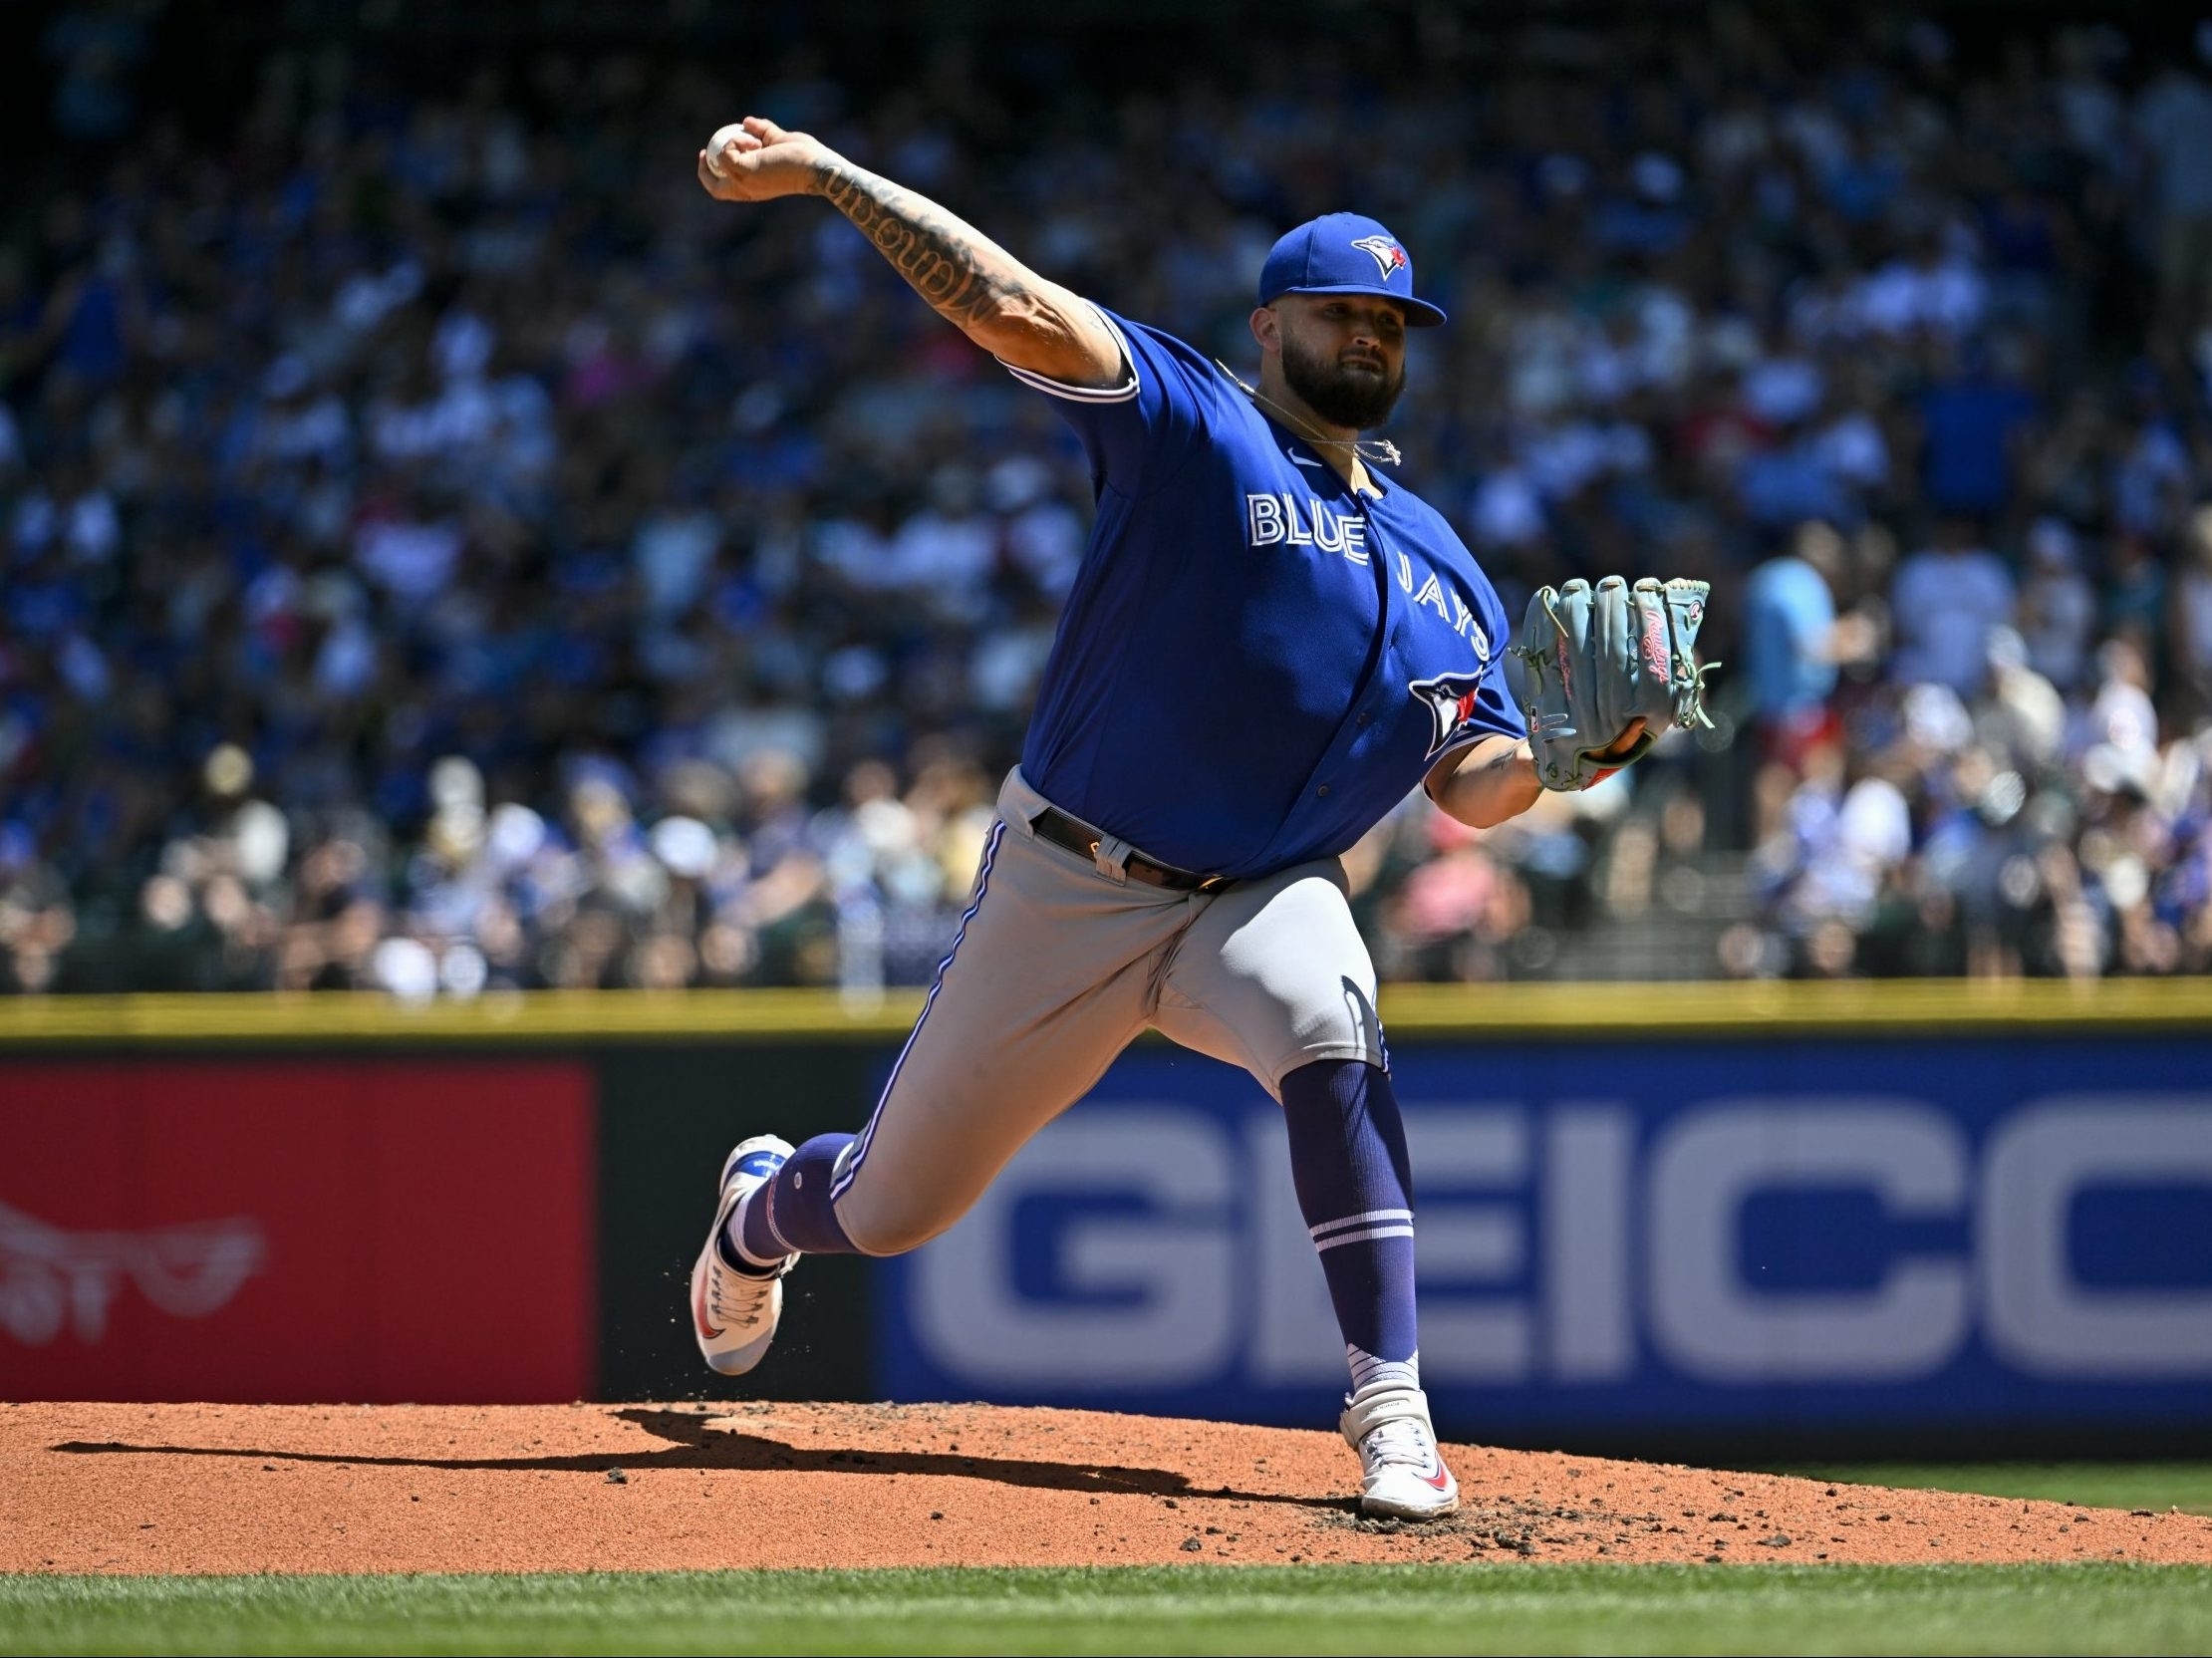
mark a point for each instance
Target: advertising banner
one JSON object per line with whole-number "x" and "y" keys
{"x": 317, "y": 1231}
{"x": 1813, "y": 1241}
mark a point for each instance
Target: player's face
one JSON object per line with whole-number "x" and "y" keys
{"x": 1346, "y": 356}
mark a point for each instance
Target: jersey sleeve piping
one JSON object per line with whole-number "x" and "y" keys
{"x": 1468, "y": 739}
{"x": 1085, "y": 394}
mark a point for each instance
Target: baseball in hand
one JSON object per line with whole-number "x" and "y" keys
{"x": 724, "y": 137}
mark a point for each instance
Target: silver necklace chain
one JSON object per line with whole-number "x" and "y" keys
{"x": 1378, "y": 452}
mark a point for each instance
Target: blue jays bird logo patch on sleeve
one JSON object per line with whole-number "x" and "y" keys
{"x": 1451, "y": 700}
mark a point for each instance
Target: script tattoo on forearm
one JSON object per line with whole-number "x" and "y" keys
{"x": 965, "y": 283}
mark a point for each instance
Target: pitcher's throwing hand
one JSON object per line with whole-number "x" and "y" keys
{"x": 756, "y": 160}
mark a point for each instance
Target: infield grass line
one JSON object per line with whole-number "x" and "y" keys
{"x": 2090, "y": 1608}
{"x": 2153, "y": 1486}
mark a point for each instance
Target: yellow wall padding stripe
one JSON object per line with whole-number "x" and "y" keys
{"x": 1475, "y": 1013}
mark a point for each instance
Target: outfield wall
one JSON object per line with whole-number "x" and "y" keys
{"x": 1864, "y": 1218}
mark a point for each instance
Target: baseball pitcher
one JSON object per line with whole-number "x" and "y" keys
{"x": 1267, "y": 648}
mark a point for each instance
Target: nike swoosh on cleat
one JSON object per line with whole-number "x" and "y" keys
{"x": 1439, "y": 1480}
{"x": 698, "y": 1317}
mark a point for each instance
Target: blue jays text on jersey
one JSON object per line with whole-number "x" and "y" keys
{"x": 1255, "y": 662}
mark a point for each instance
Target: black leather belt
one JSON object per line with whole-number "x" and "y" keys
{"x": 1056, "y": 826}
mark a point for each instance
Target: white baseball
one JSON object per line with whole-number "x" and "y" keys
{"x": 722, "y": 136}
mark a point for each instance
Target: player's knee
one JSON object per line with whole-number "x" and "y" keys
{"x": 1336, "y": 1020}
{"x": 880, "y": 1226}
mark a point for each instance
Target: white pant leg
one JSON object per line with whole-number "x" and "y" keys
{"x": 1274, "y": 975}
{"x": 1051, "y": 978}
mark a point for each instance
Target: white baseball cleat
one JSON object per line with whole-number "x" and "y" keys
{"x": 1402, "y": 1474}
{"x": 734, "y": 1314}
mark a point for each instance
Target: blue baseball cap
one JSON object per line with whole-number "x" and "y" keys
{"x": 1345, "y": 254}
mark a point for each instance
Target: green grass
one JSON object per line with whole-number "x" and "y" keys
{"x": 2154, "y": 1486}
{"x": 2105, "y": 1608}
{"x": 1474, "y": 1609}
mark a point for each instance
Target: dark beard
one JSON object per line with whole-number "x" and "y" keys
{"x": 1334, "y": 394}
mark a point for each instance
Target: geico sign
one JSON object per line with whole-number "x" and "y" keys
{"x": 1558, "y": 1245}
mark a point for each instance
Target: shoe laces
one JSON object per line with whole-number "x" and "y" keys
{"x": 736, "y": 1298}
{"x": 1404, "y": 1443}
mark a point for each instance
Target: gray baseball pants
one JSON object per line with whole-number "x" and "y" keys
{"x": 1059, "y": 964}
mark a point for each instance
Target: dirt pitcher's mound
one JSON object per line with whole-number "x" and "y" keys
{"x": 233, "y": 1487}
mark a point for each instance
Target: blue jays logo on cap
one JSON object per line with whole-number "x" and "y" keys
{"x": 1345, "y": 253}
{"x": 1389, "y": 257}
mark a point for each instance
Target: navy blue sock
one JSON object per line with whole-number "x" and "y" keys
{"x": 791, "y": 1212}
{"x": 1355, "y": 1188}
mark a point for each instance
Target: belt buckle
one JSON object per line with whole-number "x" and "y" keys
{"x": 1209, "y": 883}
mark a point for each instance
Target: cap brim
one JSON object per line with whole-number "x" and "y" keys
{"x": 1419, "y": 312}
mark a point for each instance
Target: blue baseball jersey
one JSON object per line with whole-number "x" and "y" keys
{"x": 1257, "y": 661}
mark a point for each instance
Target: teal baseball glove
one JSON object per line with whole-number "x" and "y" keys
{"x": 1588, "y": 663}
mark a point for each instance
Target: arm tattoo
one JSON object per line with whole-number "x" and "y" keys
{"x": 963, "y": 275}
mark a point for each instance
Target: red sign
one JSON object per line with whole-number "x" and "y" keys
{"x": 287, "y": 1232}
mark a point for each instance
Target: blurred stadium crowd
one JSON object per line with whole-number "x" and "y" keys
{"x": 445, "y": 551}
